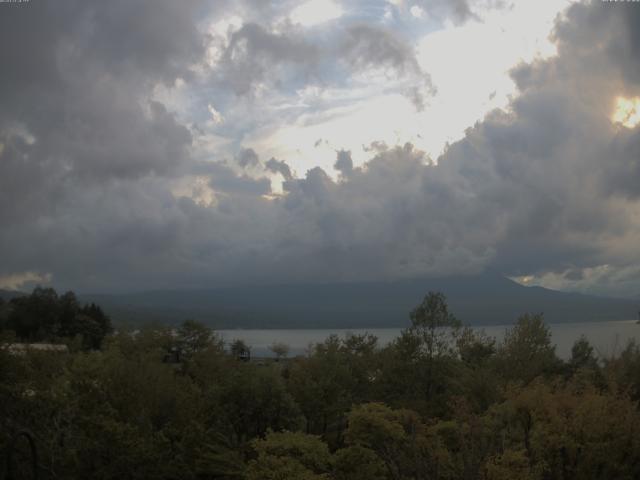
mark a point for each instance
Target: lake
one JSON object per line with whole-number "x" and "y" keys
{"x": 606, "y": 337}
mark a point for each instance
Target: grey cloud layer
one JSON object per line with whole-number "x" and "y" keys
{"x": 254, "y": 57}
{"x": 89, "y": 162}
{"x": 254, "y": 54}
{"x": 72, "y": 90}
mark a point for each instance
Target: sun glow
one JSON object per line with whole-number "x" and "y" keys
{"x": 627, "y": 112}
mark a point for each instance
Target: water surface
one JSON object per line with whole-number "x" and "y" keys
{"x": 607, "y": 338}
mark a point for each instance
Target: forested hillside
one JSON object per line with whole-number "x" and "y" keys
{"x": 486, "y": 299}
{"x": 441, "y": 402}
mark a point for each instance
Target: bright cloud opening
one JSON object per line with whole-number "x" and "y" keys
{"x": 627, "y": 112}
{"x": 416, "y": 11}
{"x": 216, "y": 116}
{"x": 315, "y": 12}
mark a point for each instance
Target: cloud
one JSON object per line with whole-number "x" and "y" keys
{"x": 259, "y": 58}
{"x": 248, "y": 158}
{"x": 315, "y": 12}
{"x": 255, "y": 55}
{"x": 279, "y": 166}
{"x": 368, "y": 47}
{"x": 457, "y": 11}
{"x": 566, "y": 172}
{"x": 216, "y": 116}
{"x": 344, "y": 163}
{"x": 600, "y": 279}
{"x": 16, "y": 281}
{"x": 93, "y": 165}
{"x": 74, "y": 103}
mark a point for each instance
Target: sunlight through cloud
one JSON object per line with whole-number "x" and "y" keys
{"x": 315, "y": 12}
{"x": 627, "y": 112}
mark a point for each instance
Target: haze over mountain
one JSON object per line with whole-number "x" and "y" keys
{"x": 486, "y": 299}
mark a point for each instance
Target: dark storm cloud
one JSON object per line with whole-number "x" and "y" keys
{"x": 344, "y": 163}
{"x": 617, "y": 34}
{"x": 279, "y": 166}
{"x": 565, "y": 176}
{"x": 223, "y": 179}
{"x": 248, "y": 158}
{"x": 42, "y": 40}
{"x": 394, "y": 210}
{"x": 89, "y": 162}
{"x": 72, "y": 90}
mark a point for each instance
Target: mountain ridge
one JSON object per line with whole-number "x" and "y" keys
{"x": 485, "y": 299}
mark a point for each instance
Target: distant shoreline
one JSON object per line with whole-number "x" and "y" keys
{"x": 607, "y": 337}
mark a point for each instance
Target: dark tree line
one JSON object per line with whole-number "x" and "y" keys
{"x": 45, "y": 316}
{"x": 440, "y": 402}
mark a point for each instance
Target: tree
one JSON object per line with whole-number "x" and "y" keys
{"x": 476, "y": 374}
{"x": 425, "y": 353}
{"x": 239, "y": 348}
{"x": 358, "y": 463}
{"x": 281, "y": 350}
{"x": 475, "y": 348}
{"x": 69, "y": 308}
{"x": 45, "y": 316}
{"x": 527, "y": 351}
{"x": 400, "y": 440}
{"x": 582, "y": 355}
{"x": 337, "y": 373}
{"x": 4, "y": 314}
{"x": 509, "y": 465}
{"x": 556, "y": 431}
{"x": 624, "y": 370}
{"x": 89, "y": 329}
{"x": 432, "y": 322}
{"x": 289, "y": 455}
{"x": 253, "y": 399}
{"x": 103, "y": 322}
{"x": 194, "y": 337}
{"x": 35, "y": 317}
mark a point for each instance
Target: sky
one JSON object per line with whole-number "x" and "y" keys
{"x": 161, "y": 144}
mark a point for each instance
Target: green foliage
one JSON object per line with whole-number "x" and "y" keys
{"x": 194, "y": 337}
{"x": 434, "y": 325}
{"x": 527, "y": 350}
{"x": 582, "y": 355}
{"x": 477, "y": 378}
{"x": 238, "y": 348}
{"x": 623, "y": 371}
{"x": 336, "y": 375}
{"x": 569, "y": 433}
{"x": 289, "y": 455}
{"x": 255, "y": 399}
{"x": 420, "y": 368}
{"x": 45, "y": 316}
{"x": 440, "y": 402}
{"x": 358, "y": 463}
{"x": 281, "y": 350}
{"x": 509, "y": 465}
{"x": 401, "y": 440}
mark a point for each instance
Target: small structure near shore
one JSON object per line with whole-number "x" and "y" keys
{"x": 173, "y": 356}
{"x": 241, "y": 350}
